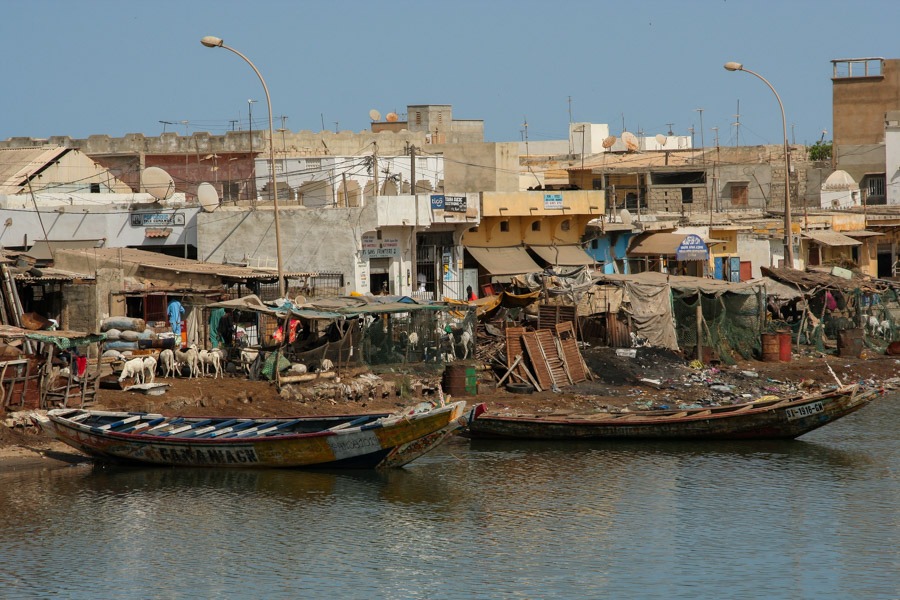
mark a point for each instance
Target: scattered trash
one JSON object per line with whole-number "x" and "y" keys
{"x": 626, "y": 352}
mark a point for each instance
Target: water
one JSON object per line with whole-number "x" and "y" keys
{"x": 814, "y": 518}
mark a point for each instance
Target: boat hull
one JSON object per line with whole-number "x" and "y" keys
{"x": 388, "y": 441}
{"x": 773, "y": 419}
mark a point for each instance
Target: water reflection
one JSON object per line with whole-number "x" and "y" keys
{"x": 816, "y": 517}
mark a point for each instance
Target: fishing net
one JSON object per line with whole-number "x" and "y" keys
{"x": 730, "y": 323}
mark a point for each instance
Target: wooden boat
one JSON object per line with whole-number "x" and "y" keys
{"x": 353, "y": 441}
{"x": 773, "y": 418}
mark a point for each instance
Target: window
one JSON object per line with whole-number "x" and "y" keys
{"x": 565, "y": 225}
{"x": 95, "y": 188}
{"x": 536, "y": 226}
{"x": 687, "y": 195}
{"x": 313, "y": 164}
{"x": 875, "y": 188}
{"x": 418, "y": 118}
{"x": 739, "y": 194}
{"x": 504, "y": 225}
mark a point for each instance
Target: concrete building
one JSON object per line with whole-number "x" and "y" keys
{"x": 864, "y": 90}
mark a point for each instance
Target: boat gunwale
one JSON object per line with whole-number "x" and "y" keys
{"x": 855, "y": 392}
{"x": 94, "y": 431}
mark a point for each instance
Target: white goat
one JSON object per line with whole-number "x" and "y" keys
{"x": 465, "y": 340}
{"x": 167, "y": 361}
{"x": 189, "y": 358}
{"x": 413, "y": 340}
{"x": 248, "y": 356}
{"x": 326, "y": 365}
{"x": 298, "y": 368}
{"x": 133, "y": 368}
{"x": 149, "y": 369}
{"x": 210, "y": 359}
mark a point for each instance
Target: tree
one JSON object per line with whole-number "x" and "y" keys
{"x": 820, "y": 151}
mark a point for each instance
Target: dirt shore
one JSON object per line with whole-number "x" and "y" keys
{"x": 650, "y": 379}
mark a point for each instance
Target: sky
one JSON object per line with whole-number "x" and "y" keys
{"x": 88, "y": 67}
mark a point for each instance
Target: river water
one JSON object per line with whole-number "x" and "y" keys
{"x": 816, "y": 518}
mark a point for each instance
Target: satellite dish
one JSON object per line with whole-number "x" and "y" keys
{"x": 157, "y": 183}
{"x": 625, "y": 216}
{"x": 208, "y": 197}
{"x": 608, "y": 142}
{"x": 392, "y": 117}
{"x": 374, "y": 115}
{"x": 660, "y": 139}
{"x": 631, "y": 141}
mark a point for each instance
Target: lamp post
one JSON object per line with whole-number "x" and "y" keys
{"x": 788, "y": 248}
{"x": 213, "y": 42}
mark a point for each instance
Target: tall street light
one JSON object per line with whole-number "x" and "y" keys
{"x": 788, "y": 249}
{"x": 214, "y": 42}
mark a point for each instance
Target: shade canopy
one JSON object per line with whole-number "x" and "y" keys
{"x": 569, "y": 255}
{"x": 505, "y": 261}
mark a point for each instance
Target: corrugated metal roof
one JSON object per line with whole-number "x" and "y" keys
{"x": 154, "y": 260}
{"x": 831, "y": 238}
{"x": 18, "y": 164}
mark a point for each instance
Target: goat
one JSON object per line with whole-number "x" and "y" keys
{"x": 465, "y": 341}
{"x": 248, "y": 357}
{"x": 210, "y": 359}
{"x": 326, "y": 365}
{"x": 298, "y": 368}
{"x": 149, "y": 369}
{"x": 413, "y": 340}
{"x": 133, "y": 368}
{"x": 167, "y": 362}
{"x": 190, "y": 358}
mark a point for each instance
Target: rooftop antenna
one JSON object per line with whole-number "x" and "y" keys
{"x": 185, "y": 123}
{"x": 822, "y": 139}
{"x": 233, "y": 123}
{"x": 164, "y": 123}
{"x": 737, "y": 124}
{"x": 322, "y": 117}
{"x": 570, "y": 109}
{"x": 716, "y": 129}
{"x": 525, "y": 125}
{"x": 671, "y": 133}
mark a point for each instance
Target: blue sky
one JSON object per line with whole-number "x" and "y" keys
{"x": 114, "y": 67}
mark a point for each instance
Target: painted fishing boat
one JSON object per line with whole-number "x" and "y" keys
{"x": 769, "y": 418}
{"x": 351, "y": 441}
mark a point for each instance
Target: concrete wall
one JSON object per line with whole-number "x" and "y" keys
{"x": 481, "y": 167}
{"x": 892, "y": 157}
{"x": 117, "y": 224}
{"x": 755, "y": 249}
{"x": 859, "y": 103}
{"x": 311, "y": 240}
{"x": 859, "y": 160}
{"x": 81, "y": 310}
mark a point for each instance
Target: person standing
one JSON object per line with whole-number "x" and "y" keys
{"x": 176, "y": 316}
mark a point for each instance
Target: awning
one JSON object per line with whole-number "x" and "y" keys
{"x": 505, "y": 261}
{"x": 862, "y": 233}
{"x": 684, "y": 246}
{"x": 831, "y": 238}
{"x": 570, "y": 255}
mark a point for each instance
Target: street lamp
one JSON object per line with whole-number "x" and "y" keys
{"x": 788, "y": 248}
{"x": 211, "y": 41}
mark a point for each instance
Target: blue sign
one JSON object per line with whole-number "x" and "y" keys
{"x": 437, "y": 202}
{"x": 692, "y": 247}
{"x": 553, "y": 201}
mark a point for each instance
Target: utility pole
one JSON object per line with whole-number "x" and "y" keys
{"x": 716, "y": 129}
{"x": 525, "y": 125}
{"x": 737, "y": 125}
{"x": 412, "y": 169}
{"x": 284, "y": 170}
{"x": 702, "y": 141}
{"x": 375, "y": 165}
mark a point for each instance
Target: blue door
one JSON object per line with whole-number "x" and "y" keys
{"x": 735, "y": 268}
{"x": 719, "y": 263}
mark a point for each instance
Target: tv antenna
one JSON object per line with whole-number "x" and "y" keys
{"x": 164, "y": 123}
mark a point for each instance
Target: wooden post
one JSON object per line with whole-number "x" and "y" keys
{"x": 699, "y": 328}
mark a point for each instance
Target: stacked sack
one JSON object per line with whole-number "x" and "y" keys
{"x": 124, "y": 333}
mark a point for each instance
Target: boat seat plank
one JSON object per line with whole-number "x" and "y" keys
{"x": 143, "y": 425}
{"x": 221, "y": 432}
{"x": 210, "y": 428}
{"x": 186, "y": 428}
{"x": 251, "y": 431}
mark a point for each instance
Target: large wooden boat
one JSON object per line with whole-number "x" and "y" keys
{"x": 773, "y": 418}
{"x": 353, "y": 441}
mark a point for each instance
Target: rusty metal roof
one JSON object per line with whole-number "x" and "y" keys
{"x": 155, "y": 260}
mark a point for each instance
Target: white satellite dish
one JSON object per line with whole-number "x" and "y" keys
{"x": 374, "y": 115}
{"x": 660, "y": 139}
{"x": 609, "y": 141}
{"x": 157, "y": 183}
{"x": 208, "y": 197}
{"x": 625, "y": 216}
{"x": 631, "y": 141}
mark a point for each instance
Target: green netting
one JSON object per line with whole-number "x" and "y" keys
{"x": 730, "y": 323}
